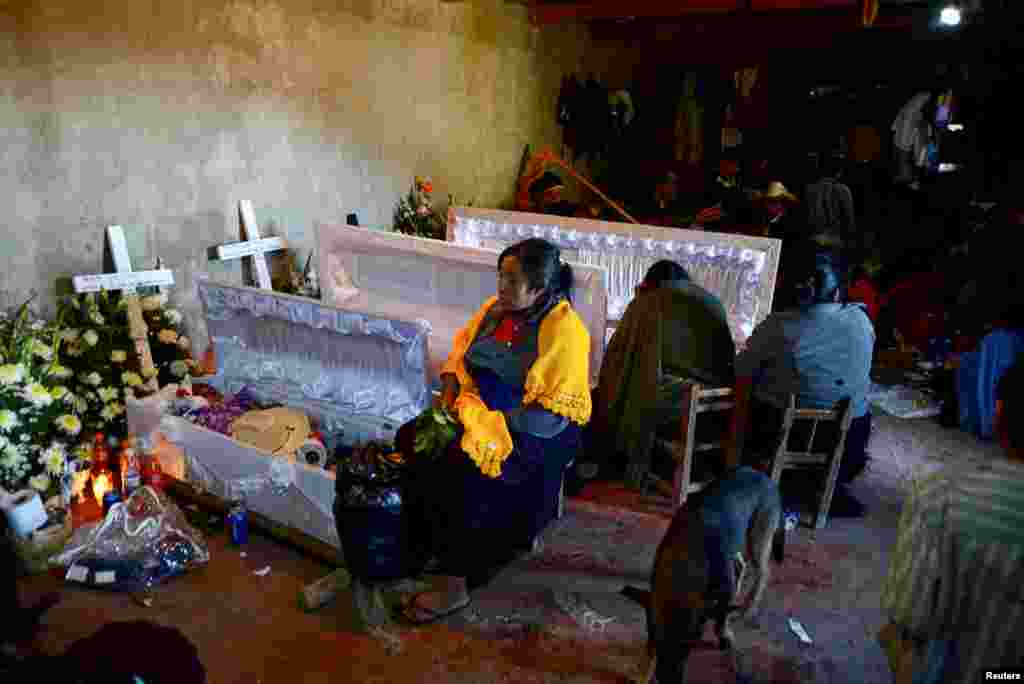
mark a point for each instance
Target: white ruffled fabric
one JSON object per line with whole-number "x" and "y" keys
{"x": 739, "y": 270}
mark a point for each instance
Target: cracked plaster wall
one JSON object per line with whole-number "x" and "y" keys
{"x": 161, "y": 116}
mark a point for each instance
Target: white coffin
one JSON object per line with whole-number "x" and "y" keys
{"x": 442, "y": 283}
{"x": 358, "y": 376}
{"x": 738, "y": 269}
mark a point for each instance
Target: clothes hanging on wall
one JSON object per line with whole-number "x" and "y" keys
{"x": 594, "y": 120}
{"x": 865, "y": 145}
{"x": 568, "y": 115}
{"x": 745, "y": 80}
{"x": 621, "y": 154}
{"x": 689, "y": 123}
{"x": 751, "y": 99}
{"x": 621, "y": 105}
{"x": 731, "y": 136}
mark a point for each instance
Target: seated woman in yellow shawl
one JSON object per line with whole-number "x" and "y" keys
{"x": 517, "y": 380}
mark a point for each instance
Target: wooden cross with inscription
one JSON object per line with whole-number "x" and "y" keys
{"x": 252, "y": 246}
{"x": 126, "y": 280}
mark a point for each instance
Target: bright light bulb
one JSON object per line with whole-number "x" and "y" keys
{"x": 950, "y": 16}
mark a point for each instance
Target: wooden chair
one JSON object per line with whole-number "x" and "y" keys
{"x": 697, "y": 401}
{"x": 787, "y": 458}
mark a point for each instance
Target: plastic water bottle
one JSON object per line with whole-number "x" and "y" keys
{"x": 131, "y": 476}
{"x": 792, "y": 519}
{"x": 238, "y": 523}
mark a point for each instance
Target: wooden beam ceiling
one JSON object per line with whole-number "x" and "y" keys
{"x": 740, "y": 39}
{"x": 569, "y": 11}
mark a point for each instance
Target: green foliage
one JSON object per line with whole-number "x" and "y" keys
{"x": 38, "y": 425}
{"x": 435, "y": 430}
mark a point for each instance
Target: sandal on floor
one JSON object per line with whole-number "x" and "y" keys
{"x": 409, "y": 610}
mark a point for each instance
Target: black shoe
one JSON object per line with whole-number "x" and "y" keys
{"x": 844, "y": 505}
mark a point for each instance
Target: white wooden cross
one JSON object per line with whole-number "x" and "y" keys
{"x": 127, "y": 281}
{"x": 252, "y": 246}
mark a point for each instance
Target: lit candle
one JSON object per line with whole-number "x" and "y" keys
{"x": 101, "y": 484}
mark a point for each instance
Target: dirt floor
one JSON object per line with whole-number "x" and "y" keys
{"x": 554, "y": 616}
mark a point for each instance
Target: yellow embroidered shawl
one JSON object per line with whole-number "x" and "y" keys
{"x": 559, "y": 380}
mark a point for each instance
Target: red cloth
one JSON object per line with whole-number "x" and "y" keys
{"x": 508, "y": 330}
{"x": 865, "y": 292}
{"x": 918, "y": 307}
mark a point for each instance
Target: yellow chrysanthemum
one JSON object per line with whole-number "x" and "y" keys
{"x": 60, "y": 372}
{"x": 43, "y": 351}
{"x": 69, "y": 424}
{"x": 54, "y": 460}
{"x": 11, "y": 373}
{"x": 37, "y": 394}
{"x": 131, "y": 379}
{"x": 8, "y": 420}
{"x": 40, "y": 482}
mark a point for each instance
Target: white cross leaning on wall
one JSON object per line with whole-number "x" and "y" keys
{"x": 127, "y": 281}
{"x": 252, "y": 246}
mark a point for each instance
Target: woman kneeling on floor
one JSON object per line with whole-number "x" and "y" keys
{"x": 517, "y": 381}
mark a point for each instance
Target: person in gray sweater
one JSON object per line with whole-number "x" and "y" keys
{"x": 831, "y": 216}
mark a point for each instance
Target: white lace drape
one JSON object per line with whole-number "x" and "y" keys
{"x": 741, "y": 276}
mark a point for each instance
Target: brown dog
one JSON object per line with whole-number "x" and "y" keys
{"x": 698, "y": 568}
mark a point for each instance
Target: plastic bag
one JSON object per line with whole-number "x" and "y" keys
{"x": 904, "y": 402}
{"x": 144, "y": 415}
{"x": 140, "y": 543}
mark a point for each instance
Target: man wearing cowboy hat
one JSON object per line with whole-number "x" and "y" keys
{"x": 777, "y": 202}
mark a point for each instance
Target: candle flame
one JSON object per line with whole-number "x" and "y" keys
{"x": 101, "y": 484}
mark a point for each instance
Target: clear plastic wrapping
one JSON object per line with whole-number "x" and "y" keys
{"x": 141, "y": 542}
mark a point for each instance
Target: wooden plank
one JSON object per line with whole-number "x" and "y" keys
{"x": 716, "y": 392}
{"x": 770, "y": 5}
{"x": 716, "y": 406}
{"x": 127, "y": 282}
{"x": 119, "y": 249}
{"x": 288, "y": 535}
{"x": 237, "y": 250}
{"x": 251, "y": 230}
{"x": 124, "y": 279}
{"x": 815, "y": 414}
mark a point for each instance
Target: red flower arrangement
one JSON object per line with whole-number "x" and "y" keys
{"x": 415, "y": 213}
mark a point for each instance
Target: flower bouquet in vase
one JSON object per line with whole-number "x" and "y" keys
{"x": 38, "y": 431}
{"x": 415, "y": 213}
{"x": 102, "y": 363}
